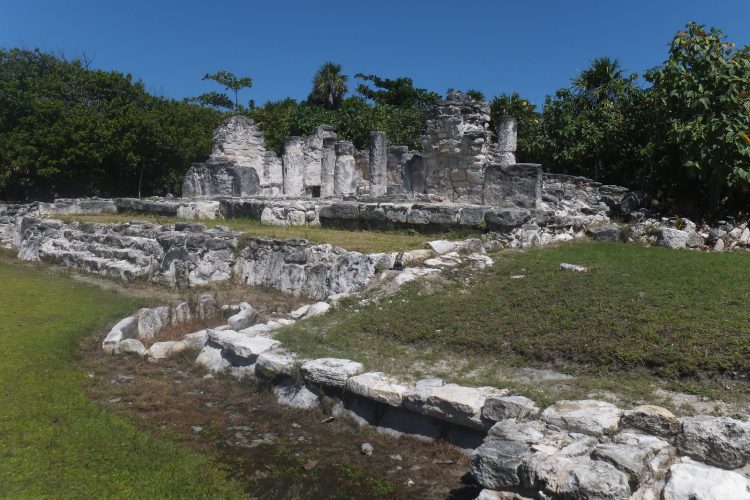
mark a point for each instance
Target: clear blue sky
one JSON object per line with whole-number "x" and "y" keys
{"x": 533, "y": 47}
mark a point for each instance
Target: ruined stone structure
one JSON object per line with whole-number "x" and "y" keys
{"x": 458, "y": 163}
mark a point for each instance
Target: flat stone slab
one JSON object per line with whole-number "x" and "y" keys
{"x": 505, "y": 407}
{"x": 332, "y": 372}
{"x": 241, "y": 345}
{"x": 379, "y": 387}
{"x": 698, "y": 481}
{"x": 651, "y": 419}
{"x": 211, "y": 359}
{"x": 587, "y": 416}
{"x": 162, "y": 350}
{"x": 495, "y": 464}
{"x": 451, "y": 402}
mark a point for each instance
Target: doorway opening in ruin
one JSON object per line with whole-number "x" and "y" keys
{"x": 315, "y": 191}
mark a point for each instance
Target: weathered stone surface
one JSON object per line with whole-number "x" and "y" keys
{"x": 181, "y": 313}
{"x": 150, "y": 321}
{"x": 495, "y": 464}
{"x": 345, "y": 173}
{"x": 378, "y": 387}
{"x": 244, "y": 318}
{"x": 701, "y": 482}
{"x": 162, "y": 350}
{"x": 241, "y": 346}
{"x": 530, "y": 432}
{"x": 211, "y": 359}
{"x": 545, "y": 471}
{"x": 518, "y": 184}
{"x": 289, "y": 393}
{"x": 273, "y": 364}
{"x": 378, "y": 164}
{"x": 294, "y": 166}
{"x": 126, "y": 328}
{"x": 720, "y": 441}
{"x": 130, "y": 346}
{"x": 594, "y": 480}
{"x": 504, "y": 407}
{"x": 507, "y": 139}
{"x": 608, "y": 232}
{"x": 652, "y": 419}
{"x": 451, "y": 402}
{"x": 327, "y": 169}
{"x": 632, "y": 460}
{"x": 330, "y": 372}
{"x": 196, "y": 340}
{"x": 507, "y": 219}
{"x": 672, "y": 238}
{"x": 592, "y": 417}
{"x": 564, "y": 266}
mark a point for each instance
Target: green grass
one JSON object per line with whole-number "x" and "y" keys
{"x": 644, "y": 312}
{"x": 365, "y": 241}
{"x": 55, "y": 443}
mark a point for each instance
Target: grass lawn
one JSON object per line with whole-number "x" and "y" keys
{"x": 53, "y": 441}
{"x": 365, "y": 241}
{"x": 647, "y": 313}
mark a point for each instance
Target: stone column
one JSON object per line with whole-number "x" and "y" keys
{"x": 507, "y": 136}
{"x": 294, "y": 166}
{"x": 378, "y": 164}
{"x": 327, "y": 168}
{"x": 345, "y": 175}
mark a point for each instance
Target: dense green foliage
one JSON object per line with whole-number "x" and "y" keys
{"x": 527, "y": 120}
{"x": 53, "y": 441}
{"x": 70, "y": 131}
{"x": 329, "y": 86}
{"x": 683, "y": 136}
{"x": 394, "y": 106}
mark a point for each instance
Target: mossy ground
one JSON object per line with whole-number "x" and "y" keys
{"x": 640, "y": 318}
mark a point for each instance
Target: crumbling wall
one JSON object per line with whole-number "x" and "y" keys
{"x": 456, "y": 148}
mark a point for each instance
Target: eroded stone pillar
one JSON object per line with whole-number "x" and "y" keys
{"x": 294, "y": 166}
{"x": 378, "y": 163}
{"x": 507, "y": 138}
{"x": 327, "y": 168}
{"x": 345, "y": 174}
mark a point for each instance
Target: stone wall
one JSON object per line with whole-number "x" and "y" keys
{"x": 456, "y": 148}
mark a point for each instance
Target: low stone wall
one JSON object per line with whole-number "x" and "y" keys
{"x": 571, "y": 449}
{"x": 188, "y": 254}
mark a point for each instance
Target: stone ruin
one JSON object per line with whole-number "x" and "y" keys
{"x": 458, "y": 163}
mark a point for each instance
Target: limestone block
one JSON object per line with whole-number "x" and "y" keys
{"x": 331, "y": 372}
{"x": 378, "y": 387}
{"x": 150, "y": 321}
{"x": 495, "y": 464}
{"x": 720, "y": 441}
{"x": 162, "y": 350}
{"x": 378, "y": 164}
{"x": 130, "y": 346}
{"x": 211, "y": 359}
{"x": 345, "y": 173}
{"x": 651, "y": 419}
{"x": 294, "y": 166}
{"x": 595, "y": 418}
{"x": 694, "y": 480}
{"x": 126, "y": 328}
{"x": 519, "y": 184}
{"x": 241, "y": 346}
{"x": 273, "y": 364}
{"x": 452, "y": 402}
{"x": 504, "y": 407}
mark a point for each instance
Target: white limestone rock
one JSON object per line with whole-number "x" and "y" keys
{"x": 240, "y": 345}
{"x": 651, "y": 419}
{"x": 720, "y": 441}
{"x": 378, "y": 387}
{"x": 495, "y": 463}
{"x": 594, "y": 479}
{"x": 181, "y": 313}
{"x": 452, "y": 402}
{"x": 671, "y": 238}
{"x": 289, "y": 393}
{"x": 151, "y": 321}
{"x": 244, "y": 318}
{"x": 162, "y": 350}
{"x": 504, "y": 407}
{"x": 701, "y": 482}
{"x": 595, "y": 418}
{"x": 441, "y": 247}
{"x": 130, "y": 346}
{"x": 273, "y": 364}
{"x": 332, "y": 372}
{"x": 211, "y": 359}
{"x": 572, "y": 267}
{"x": 126, "y": 328}
{"x": 196, "y": 340}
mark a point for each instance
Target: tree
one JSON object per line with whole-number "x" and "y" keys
{"x": 329, "y": 85}
{"x": 214, "y": 99}
{"x": 399, "y": 92}
{"x": 230, "y": 83}
{"x": 601, "y": 81}
{"x": 702, "y": 102}
{"x": 477, "y": 95}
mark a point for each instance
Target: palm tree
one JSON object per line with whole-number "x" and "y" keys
{"x": 599, "y": 82}
{"x": 329, "y": 85}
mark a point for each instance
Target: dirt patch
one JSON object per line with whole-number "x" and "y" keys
{"x": 276, "y": 451}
